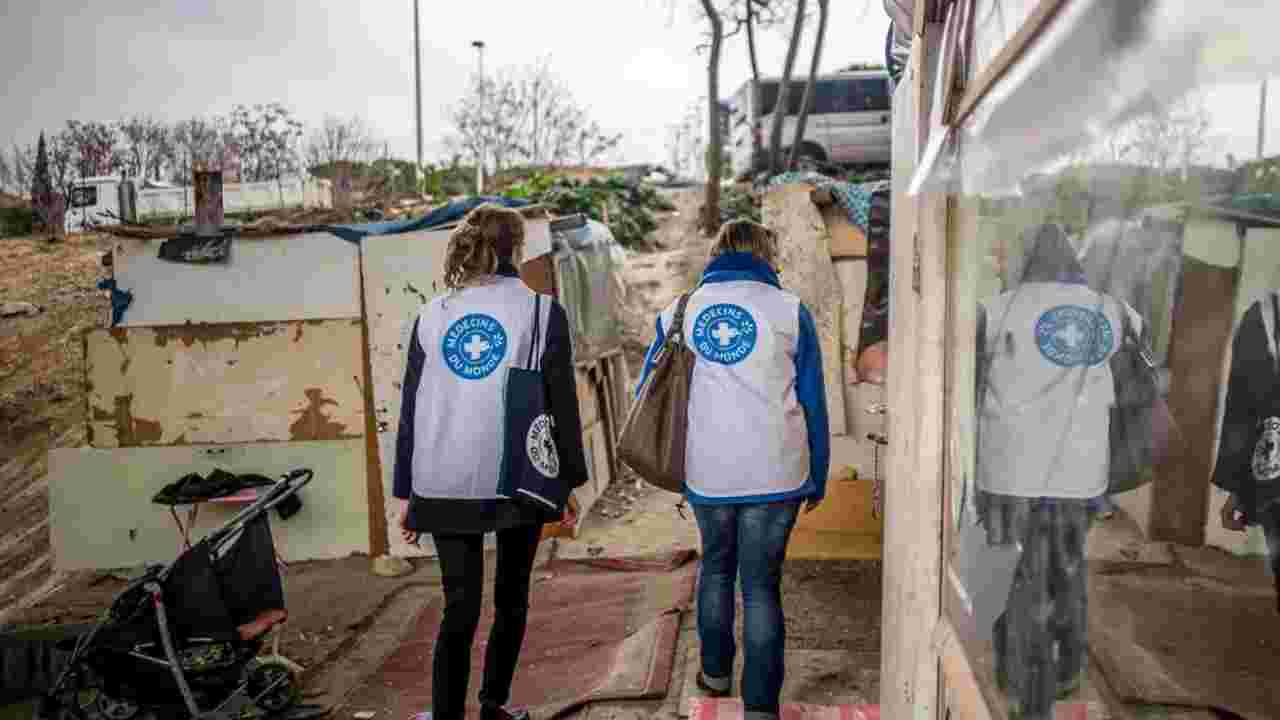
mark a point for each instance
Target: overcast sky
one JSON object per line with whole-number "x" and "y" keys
{"x": 631, "y": 62}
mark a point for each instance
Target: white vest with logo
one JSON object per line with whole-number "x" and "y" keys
{"x": 1045, "y": 418}
{"x": 747, "y": 432}
{"x": 470, "y": 338}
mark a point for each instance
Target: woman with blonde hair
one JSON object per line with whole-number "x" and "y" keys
{"x": 452, "y": 438}
{"x": 757, "y": 448}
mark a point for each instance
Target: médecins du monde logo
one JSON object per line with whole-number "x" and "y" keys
{"x": 474, "y": 346}
{"x": 725, "y": 333}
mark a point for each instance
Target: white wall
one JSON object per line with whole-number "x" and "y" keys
{"x": 236, "y": 197}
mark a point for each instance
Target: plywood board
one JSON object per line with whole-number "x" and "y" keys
{"x": 843, "y": 526}
{"x": 293, "y": 277}
{"x": 807, "y": 270}
{"x": 847, "y": 239}
{"x": 401, "y": 273}
{"x": 101, "y": 514}
{"x": 227, "y": 383}
{"x": 853, "y": 285}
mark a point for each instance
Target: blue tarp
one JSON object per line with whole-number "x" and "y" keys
{"x": 444, "y": 215}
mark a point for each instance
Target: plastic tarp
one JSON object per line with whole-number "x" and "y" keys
{"x": 1097, "y": 66}
{"x": 443, "y": 215}
{"x": 589, "y": 265}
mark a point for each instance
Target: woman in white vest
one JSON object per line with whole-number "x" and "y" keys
{"x": 758, "y": 447}
{"x": 1045, "y": 393}
{"x": 450, "y": 446}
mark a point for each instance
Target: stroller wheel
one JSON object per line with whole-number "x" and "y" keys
{"x": 273, "y": 686}
{"x": 116, "y": 709}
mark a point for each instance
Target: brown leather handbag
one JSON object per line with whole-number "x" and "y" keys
{"x": 657, "y": 427}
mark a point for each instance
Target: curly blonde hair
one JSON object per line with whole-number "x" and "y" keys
{"x": 748, "y": 237}
{"x": 488, "y": 234}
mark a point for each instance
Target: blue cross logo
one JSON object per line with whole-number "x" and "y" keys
{"x": 1074, "y": 336}
{"x": 724, "y": 333}
{"x": 474, "y": 346}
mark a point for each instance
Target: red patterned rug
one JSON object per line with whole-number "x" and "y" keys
{"x": 731, "y": 709}
{"x": 603, "y": 629}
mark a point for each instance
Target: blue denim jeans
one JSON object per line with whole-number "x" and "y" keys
{"x": 749, "y": 542}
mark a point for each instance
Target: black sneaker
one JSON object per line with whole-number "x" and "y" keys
{"x": 494, "y": 712}
{"x": 705, "y": 687}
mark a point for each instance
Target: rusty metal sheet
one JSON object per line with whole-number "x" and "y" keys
{"x": 227, "y": 383}
{"x": 292, "y": 277}
{"x": 125, "y": 529}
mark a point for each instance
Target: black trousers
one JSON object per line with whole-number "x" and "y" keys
{"x": 462, "y": 565}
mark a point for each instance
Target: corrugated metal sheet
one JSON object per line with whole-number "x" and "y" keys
{"x": 101, "y": 514}
{"x": 401, "y": 273}
{"x": 292, "y": 277}
{"x": 225, "y": 383}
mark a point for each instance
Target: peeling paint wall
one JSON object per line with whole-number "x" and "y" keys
{"x": 333, "y": 522}
{"x": 291, "y": 277}
{"x": 225, "y": 383}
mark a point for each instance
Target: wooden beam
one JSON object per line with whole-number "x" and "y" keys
{"x": 379, "y": 542}
{"x": 963, "y": 694}
{"x": 1040, "y": 17}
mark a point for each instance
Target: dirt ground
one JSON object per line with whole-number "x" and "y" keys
{"x": 41, "y": 396}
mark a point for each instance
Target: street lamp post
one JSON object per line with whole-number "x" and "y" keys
{"x": 479, "y": 46}
{"x": 417, "y": 83}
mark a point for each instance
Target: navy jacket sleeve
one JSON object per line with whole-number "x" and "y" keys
{"x": 812, "y": 394}
{"x": 402, "y": 483}
{"x": 562, "y": 394}
{"x": 1249, "y": 358}
{"x": 658, "y": 340}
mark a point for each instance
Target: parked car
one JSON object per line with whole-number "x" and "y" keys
{"x": 848, "y": 120}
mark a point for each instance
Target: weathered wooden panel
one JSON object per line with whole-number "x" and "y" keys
{"x": 101, "y": 514}
{"x": 807, "y": 270}
{"x": 220, "y": 384}
{"x": 292, "y": 277}
{"x": 843, "y": 526}
{"x": 401, "y": 273}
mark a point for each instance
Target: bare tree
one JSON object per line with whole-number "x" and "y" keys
{"x": 62, "y": 164}
{"x": 95, "y": 148}
{"x": 1172, "y": 138}
{"x": 711, "y": 201}
{"x": 201, "y": 143}
{"x": 340, "y": 139}
{"x": 783, "y": 104}
{"x": 24, "y": 159}
{"x": 267, "y": 137}
{"x": 529, "y": 116}
{"x": 146, "y": 144}
{"x": 6, "y": 172}
{"x": 797, "y": 144}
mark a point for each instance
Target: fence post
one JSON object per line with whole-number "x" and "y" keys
{"x": 208, "y": 191}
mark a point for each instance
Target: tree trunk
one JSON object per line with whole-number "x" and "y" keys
{"x": 751, "y": 41}
{"x": 784, "y": 93}
{"x": 711, "y": 203}
{"x": 811, "y": 86}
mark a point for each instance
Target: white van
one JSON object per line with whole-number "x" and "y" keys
{"x": 848, "y": 121}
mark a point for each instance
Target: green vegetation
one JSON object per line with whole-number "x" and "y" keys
{"x": 630, "y": 205}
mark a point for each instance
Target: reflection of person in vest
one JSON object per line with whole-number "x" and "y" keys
{"x": 1045, "y": 391}
{"x": 1248, "y": 467}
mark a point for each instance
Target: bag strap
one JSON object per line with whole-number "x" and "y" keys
{"x": 537, "y": 330}
{"x": 677, "y": 322}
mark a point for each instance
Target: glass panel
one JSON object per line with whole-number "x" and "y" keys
{"x": 1113, "y": 534}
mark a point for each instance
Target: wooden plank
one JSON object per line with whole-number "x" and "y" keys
{"x": 220, "y": 384}
{"x": 847, "y": 239}
{"x": 293, "y": 277}
{"x": 379, "y": 524}
{"x": 1202, "y": 323}
{"x": 125, "y": 529}
{"x": 804, "y": 254}
{"x": 965, "y": 700}
{"x": 401, "y": 273}
{"x": 853, "y": 284}
{"x": 1017, "y": 46}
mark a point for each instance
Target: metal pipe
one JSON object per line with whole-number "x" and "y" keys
{"x": 1262, "y": 120}
{"x": 417, "y": 79}
{"x": 484, "y": 149}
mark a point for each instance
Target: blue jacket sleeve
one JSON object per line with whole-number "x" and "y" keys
{"x": 658, "y": 341}
{"x": 402, "y": 482}
{"x": 812, "y": 393}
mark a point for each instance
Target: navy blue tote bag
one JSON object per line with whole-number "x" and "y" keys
{"x": 530, "y": 461}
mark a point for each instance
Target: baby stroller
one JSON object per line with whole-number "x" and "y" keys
{"x": 184, "y": 639}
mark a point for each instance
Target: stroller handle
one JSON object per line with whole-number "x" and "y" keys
{"x": 290, "y": 483}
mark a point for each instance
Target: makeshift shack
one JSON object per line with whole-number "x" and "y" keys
{"x": 263, "y": 350}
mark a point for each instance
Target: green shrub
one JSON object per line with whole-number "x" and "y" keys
{"x": 16, "y": 222}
